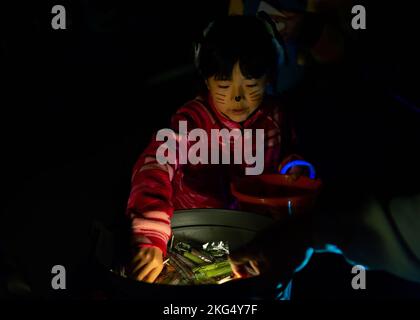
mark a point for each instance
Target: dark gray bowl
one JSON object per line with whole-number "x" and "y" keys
{"x": 206, "y": 225}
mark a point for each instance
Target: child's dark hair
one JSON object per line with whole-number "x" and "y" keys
{"x": 232, "y": 39}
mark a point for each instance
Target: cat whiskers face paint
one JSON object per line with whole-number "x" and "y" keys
{"x": 237, "y": 97}
{"x": 220, "y": 98}
{"x": 256, "y": 95}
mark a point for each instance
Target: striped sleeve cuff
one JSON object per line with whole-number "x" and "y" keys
{"x": 152, "y": 229}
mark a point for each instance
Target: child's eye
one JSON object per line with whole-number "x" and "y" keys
{"x": 223, "y": 87}
{"x": 251, "y": 85}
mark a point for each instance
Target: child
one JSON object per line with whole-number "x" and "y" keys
{"x": 236, "y": 59}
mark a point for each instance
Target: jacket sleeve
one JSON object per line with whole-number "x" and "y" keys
{"x": 150, "y": 205}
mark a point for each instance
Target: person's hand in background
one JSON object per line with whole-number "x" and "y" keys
{"x": 147, "y": 264}
{"x": 278, "y": 251}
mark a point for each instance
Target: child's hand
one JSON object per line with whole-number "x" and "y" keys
{"x": 295, "y": 172}
{"x": 147, "y": 264}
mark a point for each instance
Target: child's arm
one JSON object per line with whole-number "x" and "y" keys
{"x": 150, "y": 202}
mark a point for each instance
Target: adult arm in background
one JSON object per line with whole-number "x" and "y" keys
{"x": 376, "y": 232}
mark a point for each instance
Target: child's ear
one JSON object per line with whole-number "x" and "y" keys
{"x": 207, "y": 83}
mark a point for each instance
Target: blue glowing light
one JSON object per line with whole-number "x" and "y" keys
{"x": 330, "y": 248}
{"x": 299, "y": 163}
{"x": 289, "y": 206}
{"x": 308, "y": 256}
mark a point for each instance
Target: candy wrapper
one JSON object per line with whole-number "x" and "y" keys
{"x": 217, "y": 249}
{"x": 191, "y": 263}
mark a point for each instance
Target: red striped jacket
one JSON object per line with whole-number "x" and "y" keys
{"x": 157, "y": 190}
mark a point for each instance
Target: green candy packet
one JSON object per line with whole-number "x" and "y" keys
{"x": 197, "y": 263}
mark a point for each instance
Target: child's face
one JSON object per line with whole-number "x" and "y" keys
{"x": 238, "y": 97}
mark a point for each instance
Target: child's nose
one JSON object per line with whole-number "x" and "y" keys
{"x": 237, "y": 94}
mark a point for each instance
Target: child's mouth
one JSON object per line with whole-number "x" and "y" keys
{"x": 239, "y": 111}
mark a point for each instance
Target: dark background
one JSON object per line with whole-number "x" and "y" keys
{"x": 79, "y": 105}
